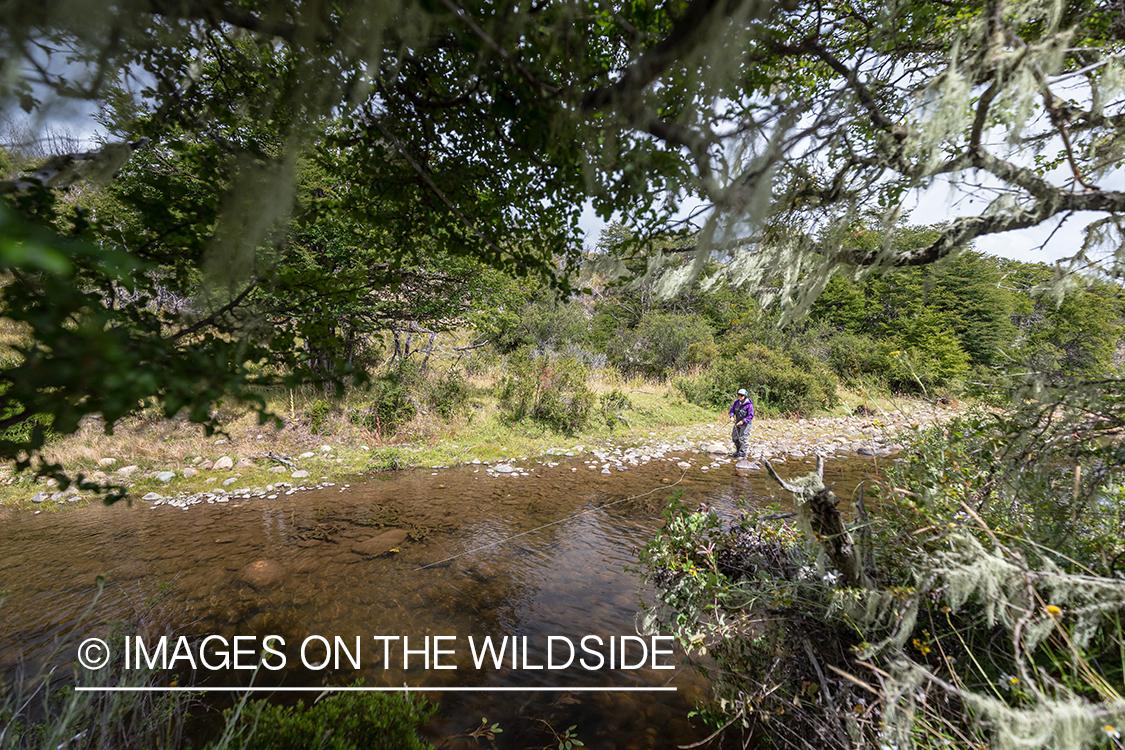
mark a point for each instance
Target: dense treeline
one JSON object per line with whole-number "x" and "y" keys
{"x": 936, "y": 330}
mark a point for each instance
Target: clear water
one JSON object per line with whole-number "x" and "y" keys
{"x": 548, "y": 554}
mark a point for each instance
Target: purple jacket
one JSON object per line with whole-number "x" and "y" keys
{"x": 742, "y": 411}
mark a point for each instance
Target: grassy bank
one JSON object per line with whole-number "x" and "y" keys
{"x": 476, "y": 429}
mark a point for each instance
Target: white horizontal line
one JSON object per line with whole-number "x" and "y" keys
{"x": 179, "y": 689}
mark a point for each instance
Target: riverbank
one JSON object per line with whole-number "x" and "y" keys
{"x": 171, "y": 461}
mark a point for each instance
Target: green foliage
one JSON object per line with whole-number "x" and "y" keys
{"x": 393, "y": 402}
{"x": 343, "y": 721}
{"x": 612, "y": 407}
{"x": 551, "y": 391}
{"x": 778, "y": 382}
{"x": 318, "y": 414}
{"x": 661, "y": 343}
{"x": 446, "y": 393}
{"x": 545, "y": 325}
{"x": 994, "y": 604}
{"x": 929, "y": 355}
{"x": 386, "y": 459}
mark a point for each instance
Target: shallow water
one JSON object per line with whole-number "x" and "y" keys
{"x": 549, "y": 554}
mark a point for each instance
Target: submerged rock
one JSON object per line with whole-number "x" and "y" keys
{"x": 380, "y": 544}
{"x": 262, "y": 573}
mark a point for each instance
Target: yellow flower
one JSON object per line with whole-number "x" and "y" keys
{"x": 1053, "y": 611}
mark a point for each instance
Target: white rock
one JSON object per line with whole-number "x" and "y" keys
{"x": 152, "y": 496}
{"x": 165, "y": 477}
{"x": 326, "y": 449}
{"x": 190, "y": 472}
{"x": 224, "y": 463}
{"x": 504, "y": 469}
{"x": 306, "y": 454}
{"x": 106, "y": 461}
{"x": 229, "y": 482}
{"x": 300, "y": 474}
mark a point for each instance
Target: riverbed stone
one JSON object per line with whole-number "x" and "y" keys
{"x": 165, "y": 476}
{"x": 224, "y": 463}
{"x": 262, "y": 573}
{"x": 149, "y": 497}
{"x": 299, "y": 474}
{"x": 745, "y": 467}
{"x": 40, "y": 497}
{"x": 503, "y": 469}
{"x": 380, "y": 544}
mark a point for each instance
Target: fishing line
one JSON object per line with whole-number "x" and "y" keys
{"x": 554, "y": 523}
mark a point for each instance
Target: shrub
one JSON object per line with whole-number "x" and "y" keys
{"x": 552, "y": 391}
{"x": 386, "y": 459}
{"x": 612, "y": 406}
{"x": 344, "y": 721}
{"x": 444, "y": 394}
{"x": 779, "y": 383}
{"x": 318, "y": 414}
{"x": 392, "y": 403}
{"x": 662, "y": 343}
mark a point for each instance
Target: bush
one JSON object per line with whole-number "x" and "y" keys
{"x": 552, "y": 391}
{"x": 779, "y": 383}
{"x": 386, "y": 459}
{"x": 318, "y": 414}
{"x": 990, "y": 607}
{"x": 446, "y": 393}
{"x": 662, "y": 343}
{"x": 612, "y": 406}
{"x": 344, "y": 721}
{"x": 392, "y": 403}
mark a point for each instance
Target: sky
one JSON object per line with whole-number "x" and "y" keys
{"x": 943, "y": 201}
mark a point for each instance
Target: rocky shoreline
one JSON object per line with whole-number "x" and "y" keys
{"x": 702, "y": 447}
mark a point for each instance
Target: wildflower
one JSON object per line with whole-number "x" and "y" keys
{"x": 1009, "y": 681}
{"x": 1111, "y": 732}
{"x": 708, "y": 550}
{"x": 1053, "y": 611}
{"x": 831, "y": 577}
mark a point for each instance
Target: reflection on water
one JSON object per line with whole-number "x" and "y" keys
{"x": 538, "y": 556}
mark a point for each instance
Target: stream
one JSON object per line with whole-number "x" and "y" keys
{"x": 545, "y": 560}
